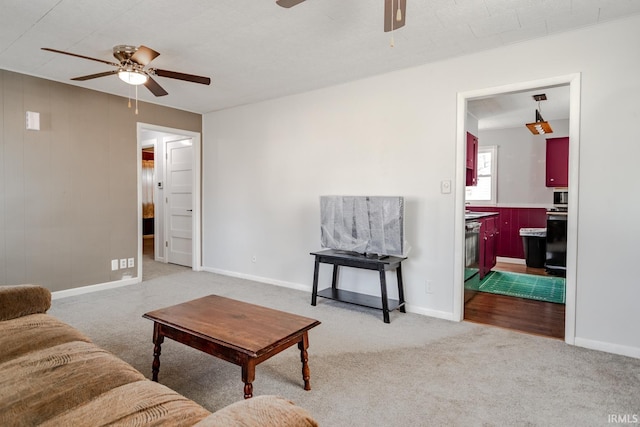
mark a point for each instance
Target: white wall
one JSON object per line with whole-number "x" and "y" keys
{"x": 522, "y": 164}
{"x": 266, "y": 164}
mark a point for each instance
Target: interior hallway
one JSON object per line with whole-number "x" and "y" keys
{"x": 152, "y": 268}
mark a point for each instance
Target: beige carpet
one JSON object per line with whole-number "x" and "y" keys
{"x": 415, "y": 371}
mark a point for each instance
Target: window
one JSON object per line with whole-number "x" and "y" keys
{"x": 485, "y": 192}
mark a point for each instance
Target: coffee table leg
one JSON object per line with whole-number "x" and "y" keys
{"x": 158, "y": 339}
{"x": 248, "y": 375}
{"x": 303, "y": 345}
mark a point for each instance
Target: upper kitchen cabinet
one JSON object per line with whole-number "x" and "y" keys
{"x": 557, "y": 162}
{"x": 472, "y": 160}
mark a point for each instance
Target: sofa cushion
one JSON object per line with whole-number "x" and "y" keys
{"x": 44, "y": 383}
{"x": 138, "y": 403}
{"x": 24, "y": 334}
{"x": 21, "y": 300}
{"x": 260, "y": 411}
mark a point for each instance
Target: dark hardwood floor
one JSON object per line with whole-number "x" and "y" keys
{"x": 525, "y": 315}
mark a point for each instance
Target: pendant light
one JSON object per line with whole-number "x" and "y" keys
{"x": 540, "y": 126}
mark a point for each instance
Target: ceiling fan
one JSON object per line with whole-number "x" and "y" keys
{"x": 394, "y": 12}
{"x": 130, "y": 68}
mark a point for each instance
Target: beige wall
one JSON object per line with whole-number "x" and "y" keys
{"x": 68, "y": 193}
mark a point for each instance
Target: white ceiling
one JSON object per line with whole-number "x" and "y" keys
{"x": 518, "y": 108}
{"x": 255, "y": 50}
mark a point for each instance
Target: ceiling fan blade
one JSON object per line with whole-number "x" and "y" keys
{"x": 155, "y": 88}
{"x": 288, "y": 3}
{"x": 391, "y": 21}
{"x": 144, "y": 55}
{"x": 95, "y": 76}
{"x": 182, "y": 76}
{"x": 81, "y": 56}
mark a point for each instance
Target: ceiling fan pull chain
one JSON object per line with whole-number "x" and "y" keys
{"x": 392, "y": 43}
{"x": 136, "y": 100}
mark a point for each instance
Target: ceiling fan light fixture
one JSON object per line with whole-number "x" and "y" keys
{"x": 133, "y": 77}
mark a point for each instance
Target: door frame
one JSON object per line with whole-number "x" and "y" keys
{"x": 197, "y": 194}
{"x": 573, "y": 80}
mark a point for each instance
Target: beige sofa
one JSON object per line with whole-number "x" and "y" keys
{"x": 52, "y": 375}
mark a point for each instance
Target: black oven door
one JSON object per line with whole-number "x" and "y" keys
{"x": 556, "y": 257}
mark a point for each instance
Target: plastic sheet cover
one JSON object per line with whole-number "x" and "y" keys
{"x": 371, "y": 225}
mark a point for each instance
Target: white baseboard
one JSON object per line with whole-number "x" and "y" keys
{"x": 94, "y": 288}
{"x": 430, "y": 313}
{"x": 622, "y": 350}
{"x": 511, "y": 260}
{"x": 282, "y": 283}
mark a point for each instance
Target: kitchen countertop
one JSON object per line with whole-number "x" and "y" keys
{"x": 469, "y": 216}
{"x": 562, "y": 213}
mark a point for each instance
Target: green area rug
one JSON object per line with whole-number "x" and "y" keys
{"x": 541, "y": 288}
{"x": 469, "y": 273}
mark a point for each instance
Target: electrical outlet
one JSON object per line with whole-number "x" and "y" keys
{"x": 131, "y": 263}
{"x": 123, "y": 263}
{"x": 428, "y": 287}
{"x": 114, "y": 264}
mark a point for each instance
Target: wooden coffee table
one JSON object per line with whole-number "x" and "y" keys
{"x": 238, "y": 332}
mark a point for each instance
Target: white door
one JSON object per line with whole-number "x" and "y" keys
{"x": 179, "y": 201}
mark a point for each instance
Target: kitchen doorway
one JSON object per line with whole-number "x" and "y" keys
{"x": 497, "y": 307}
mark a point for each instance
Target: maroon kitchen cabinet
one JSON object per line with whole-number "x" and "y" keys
{"x": 472, "y": 160}
{"x": 489, "y": 233}
{"x": 505, "y": 242}
{"x": 557, "y": 162}
{"x": 509, "y": 223}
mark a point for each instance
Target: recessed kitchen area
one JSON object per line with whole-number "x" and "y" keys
{"x": 516, "y": 206}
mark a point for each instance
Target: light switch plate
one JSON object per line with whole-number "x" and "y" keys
{"x": 445, "y": 186}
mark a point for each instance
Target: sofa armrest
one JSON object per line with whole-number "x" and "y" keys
{"x": 260, "y": 411}
{"x": 21, "y": 300}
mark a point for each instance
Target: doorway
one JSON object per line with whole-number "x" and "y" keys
{"x": 573, "y": 81}
{"x": 176, "y": 187}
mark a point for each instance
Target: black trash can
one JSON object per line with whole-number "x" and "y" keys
{"x": 534, "y": 241}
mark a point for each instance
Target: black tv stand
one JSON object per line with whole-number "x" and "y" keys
{"x": 380, "y": 264}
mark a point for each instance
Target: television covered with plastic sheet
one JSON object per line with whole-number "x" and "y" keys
{"x": 368, "y": 225}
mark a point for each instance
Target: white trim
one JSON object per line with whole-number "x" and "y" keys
{"x": 572, "y": 217}
{"x": 94, "y": 288}
{"x": 266, "y": 280}
{"x": 574, "y": 81}
{"x": 511, "y": 260}
{"x": 444, "y": 315}
{"x": 197, "y": 179}
{"x": 623, "y": 350}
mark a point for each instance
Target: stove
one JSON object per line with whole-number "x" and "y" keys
{"x": 556, "y": 255}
